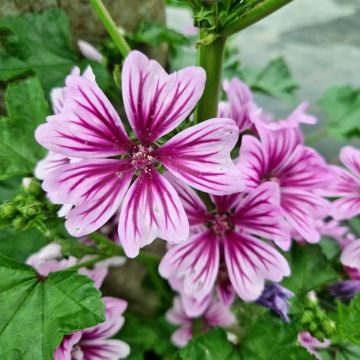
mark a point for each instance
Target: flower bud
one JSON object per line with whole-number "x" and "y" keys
{"x": 313, "y": 326}
{"x": 19, "y": 223}
{"x": 307, "y": 317}
{"x": 30, "y": 209}
{"x": 7, "y": 210}
{"x": 319, "y": 335}
{"x": 328, "y": 326}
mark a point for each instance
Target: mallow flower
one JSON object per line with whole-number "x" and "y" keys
{"x": 94, "y": 343}
{"x": 228, "y": 243}
{"x": 214, "y": 314}
{"x": 346, "y": 186}
{"x": 117, "y": 171}
{"x": 279, "y": 156}
{"x": 246, "y": 113}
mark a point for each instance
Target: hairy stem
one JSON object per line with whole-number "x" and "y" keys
{"x": 210, "y": 58}
{"x": 110, "y": 26}
{"x": 261, "y": 9}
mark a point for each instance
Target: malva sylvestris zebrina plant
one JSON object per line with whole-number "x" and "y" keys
{"x": 261, "y": 232}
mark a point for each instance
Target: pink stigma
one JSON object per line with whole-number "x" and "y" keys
{"x": 221, "y": 224}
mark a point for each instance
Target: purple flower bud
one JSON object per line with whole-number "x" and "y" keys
{"x": 345, "y": 290}
{"x": 275, "y": 297}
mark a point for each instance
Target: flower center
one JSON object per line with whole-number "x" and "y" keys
{"x": 142, "y": 159}
{"x": 271, "y": 177}
{"x": 220, "y": 224}
{"x": 77, "y": 353}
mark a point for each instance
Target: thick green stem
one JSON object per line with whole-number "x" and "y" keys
{"x": 210, "y": 58}
{"x": 261, "y": 9}
{"x": 110, "y": 26}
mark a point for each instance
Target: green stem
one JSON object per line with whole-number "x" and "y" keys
{"x": 110, "y": 26}
{"x": 194, "y": 4}
{"x": 210, "y": 58}
{"x": 87, "y": 263}
{"x": 261, "y": 9}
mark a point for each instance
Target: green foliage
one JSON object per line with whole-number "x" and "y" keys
{"x": 37, "y": 43}
{"x": 155, "y": 34}
{"x": 36, "y": 312}
{"x": 272, "y": 338}
{"x": 274, "y": 80}
{"x": 212, "y": 345}
{"x": 342, "y": 106}
{"x": 309, "y": 269}
{"x": 27, "y": 108}
{"x": 147, "y": 336}
{"x": 330, "y": 248}
{"x": 347, "y": 351}
{"x": 21, "y": 244}
{"x": 348, "y": 319}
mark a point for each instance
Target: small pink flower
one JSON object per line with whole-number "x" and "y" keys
{"x": 347, "y": 186}
{"x": 94, "y": 343}
{"x": 279, "y": 156}
{"x": 311, "y": 344}
{"x": 215, "y": 314}
{"x": 118, "y": 172}
{"x": 229, "y": 248}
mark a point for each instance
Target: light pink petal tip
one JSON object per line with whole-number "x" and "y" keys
{"x": 151, "y": 209}
{"x": 200, "y": 156}
{"x": 259, "y": 214}
{"x": 197, "y": 261}
{"x": 95, "y": 187}
{"x": 250, "y": 262}
{"x": 350, "y": 157}
{"x": 89, "y": 51}
{"x": 88, "y": 126}
{"x": 351, "y": 255}
{"x": 155, "y": 102}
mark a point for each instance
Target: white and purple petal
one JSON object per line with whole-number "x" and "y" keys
{"x": 151, "y": 208}
{"x": 250, "y": 262}
{"x": 156, "y": 102}
{"x": 200, "y": 156}
{"x": 259, "y": 213}
{"x": 88, "y": 126}
{"x": 197, "y": 261}
{"x": 350, "y": 256}
{"x": 95, "y": 187}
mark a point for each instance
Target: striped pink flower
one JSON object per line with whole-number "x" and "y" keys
{"x": 229, "y": 248}
{"x": 116, "y": 171}
{"x": 279, "y": 156}
{"x": 214, "y": 314}
{"x": 347, "y": 185}
{"x": 94, "y": 343}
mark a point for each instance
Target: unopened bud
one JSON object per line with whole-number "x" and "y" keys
{"x": 307, "y": 317}
{"x": 30, "y": 209}
{"x": 312, "y": 327}
{"x": 7, "y": 210}
{"x": 329, "y": 327}
{"x": 319, "y": 335}
{"x": 19, "y": 223}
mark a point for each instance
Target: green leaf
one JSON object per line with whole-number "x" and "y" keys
{"x": 342, "y": 106}
{"x": 212, "y": 345}
{"x": 272, "y": 338}
{"x": 330, "y": 248}
{"x": 36, "y": 313}
{"x": 347, "y": 351}
{"x": 27, "y": 108}
{"x": 20, "y": 245}
{"x": 155, "y": 34}
{"x": 38, "y": 43}
{"x": 355, "y": 224}
{"x": 309, "y": 269}
{"x": 348, "y": 320}
{"x": 147, "y": 337}
{"x": 274, "y": 80}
